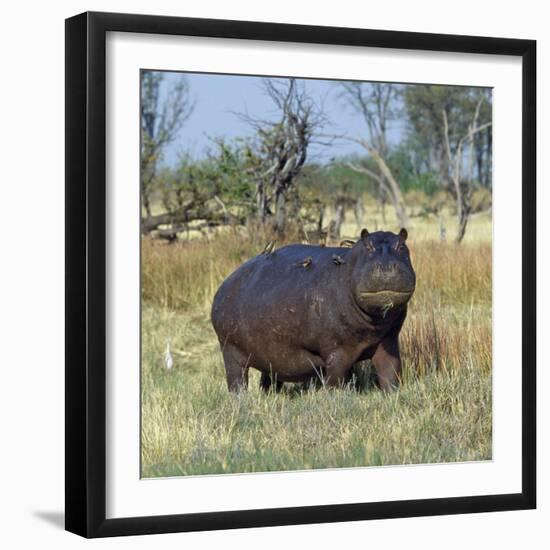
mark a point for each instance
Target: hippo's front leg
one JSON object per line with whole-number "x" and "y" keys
{"x": 387, "y": 362}
{"x": 337, "y": 365}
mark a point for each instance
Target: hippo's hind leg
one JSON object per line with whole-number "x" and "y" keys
{"x": 267, "y": 380}
{"x": 236, "y": 368}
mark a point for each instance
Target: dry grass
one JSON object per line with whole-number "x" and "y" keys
{"x": 442, "y": 412}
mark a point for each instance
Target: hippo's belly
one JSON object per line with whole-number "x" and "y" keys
{"x": 290, "y": 364}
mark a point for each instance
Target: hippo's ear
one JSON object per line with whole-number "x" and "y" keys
{"x": 364, "y": 234}
{"x": 403, "y": 235}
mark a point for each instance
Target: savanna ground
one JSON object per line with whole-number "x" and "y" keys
{"x": 441, "y": 413}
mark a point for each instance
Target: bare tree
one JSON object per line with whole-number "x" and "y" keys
{"x": 281, "y": 147}
{"x": 163, "y": 112}
{"x": 335, "y": 225}
{"x": 359, "y": 213}
{"x": 375, "y": 103}
{"x": 462, "y": 187}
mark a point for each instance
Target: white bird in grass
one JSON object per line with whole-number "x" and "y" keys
{"x": 168, "y": 361}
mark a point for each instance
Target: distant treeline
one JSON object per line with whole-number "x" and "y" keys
{"x": 444, "y": 157}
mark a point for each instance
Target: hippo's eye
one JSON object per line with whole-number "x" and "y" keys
{"x": 400, "y": 247}
{"x": 369, "y": 246}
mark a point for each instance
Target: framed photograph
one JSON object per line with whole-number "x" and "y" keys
{"x": 300, "y": 274}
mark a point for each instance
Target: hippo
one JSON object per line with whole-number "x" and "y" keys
{"x": 301, "y": 312}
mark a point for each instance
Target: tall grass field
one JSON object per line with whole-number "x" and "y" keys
{"x": 192, "y": 425}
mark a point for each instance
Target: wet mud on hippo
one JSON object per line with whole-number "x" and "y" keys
{"x": 304, "y": 311}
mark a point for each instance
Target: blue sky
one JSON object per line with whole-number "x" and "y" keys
{"x": 218, "y": 97}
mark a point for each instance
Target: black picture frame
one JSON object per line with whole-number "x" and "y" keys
{"x": 86, "y": 274}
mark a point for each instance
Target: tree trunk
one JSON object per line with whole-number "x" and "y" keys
{"x": 402, "y": 217}
{"x": 336, "y": 224}
{"x": 395, "y": 191}
{"x": 442, "y": 230}
{"x": 489, "y": 159}
{"x": 321, "y": 218}
{"x": 145, "y": 200}
{"x": 359, "y": 212}
{"x": 261, "y": 202}
{"x": 463, "y": 222}
{"x": 479, "y": 157}
{"x": 464, "y": 208}
{"x": 280, "y": 212}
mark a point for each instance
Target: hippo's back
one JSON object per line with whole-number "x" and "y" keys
{"x": 271, "y": 282}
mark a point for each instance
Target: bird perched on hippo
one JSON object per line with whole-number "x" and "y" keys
{"x": 303, "y": 311}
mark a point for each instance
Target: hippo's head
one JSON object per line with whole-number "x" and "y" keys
{"x": 383, "y": 276}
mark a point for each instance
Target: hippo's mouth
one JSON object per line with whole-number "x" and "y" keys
{"x": 385, "y": 299}
{"x": 386, "y": 294}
